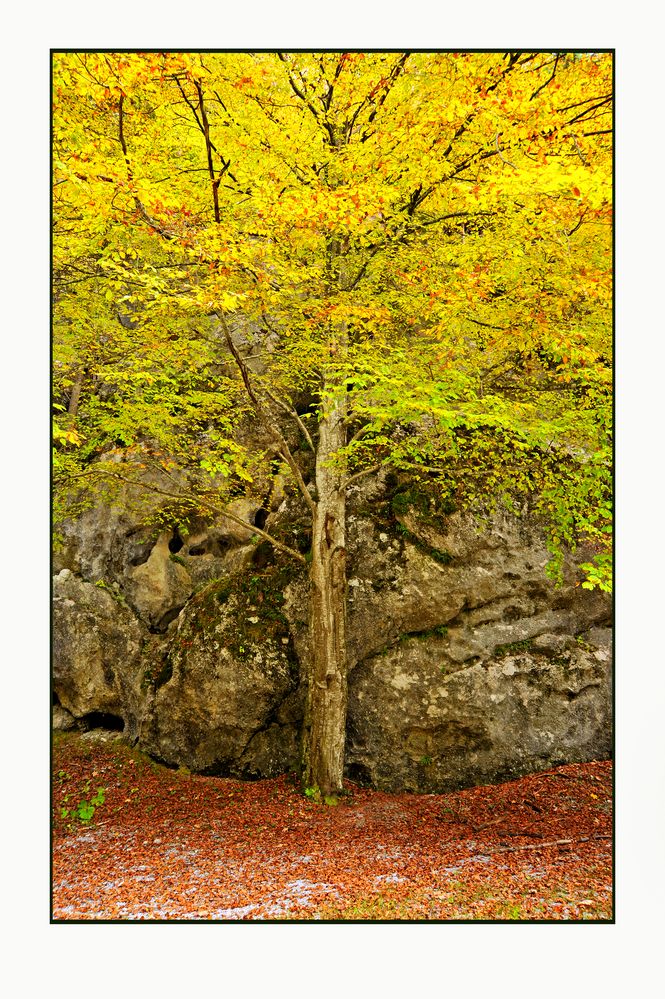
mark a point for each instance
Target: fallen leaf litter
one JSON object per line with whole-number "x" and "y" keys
{"x": 167, "y": 845}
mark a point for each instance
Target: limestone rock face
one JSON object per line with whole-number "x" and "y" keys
{"x": 62, "y": 720}
{"x": 419, "y": 722}
{"x": 154, "y": 570}
{"x": 485, "y": 584}
{"x": 159, "y": 588}
{"x": 219, "y": 699}
{"x": 96, "y": 652}
{"x": 467, "y": 664}
{"x": 103, "y": 543}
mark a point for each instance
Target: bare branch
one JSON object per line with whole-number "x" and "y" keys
{"x": 300, "y": 94}
{"x": 292, "y": 413}
{"x": 193, "y": 499}
{"x": 579, "y": 151}
{"x": 268, "y": 424}
{"x": 387, "y": 87}
{"x": 487, "y": 325}
{"x": 501, "y": 156}
{"x": 589, "y": 100}
{"x": 576, "y": 227}
{"x": 547, "y": 82}
{"x": 189, "y": 104}
{"x": 552, "y": 842}
{"x": 589, "y": 111}
{"x": 209, "y": 147}
{"x": 359, "y": 475}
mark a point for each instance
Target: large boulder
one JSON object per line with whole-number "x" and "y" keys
{"x": 225, "y": 696}
{"x": 485, "y": 583}
{"x": 97, "y": 644}
{"x": 466, "y": 663}
{"x": 422, "y": 722}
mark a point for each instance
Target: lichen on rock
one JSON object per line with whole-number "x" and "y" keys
{"x": 465, "y": 669}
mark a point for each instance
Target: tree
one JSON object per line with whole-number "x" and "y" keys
{"x": 416, "y": 244}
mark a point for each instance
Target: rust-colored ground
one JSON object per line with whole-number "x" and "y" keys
{"x": 167, "y": 845}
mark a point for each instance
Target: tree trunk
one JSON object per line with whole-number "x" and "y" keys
{"x": 325, "y": 717}
{"x": 75, "y": 397}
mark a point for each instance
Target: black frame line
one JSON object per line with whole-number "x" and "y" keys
{"x": 316, "y": 50}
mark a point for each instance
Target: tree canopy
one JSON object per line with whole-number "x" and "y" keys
{"x": 418, "y": 245}
{"x": 450, "y": 211}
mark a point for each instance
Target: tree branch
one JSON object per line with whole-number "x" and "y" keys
{"x": 513, "y": 61}
{"x": 193, "y": 499}
{"x": 211, "y": 170}
{"x": 365, "y": 471}
{"x": 456, "y": 215}
{"x": 501, "y": 156}
{"x": 360, "y": 433}
{"x": 547, "y": 82}
{"x": 300, "y": 94}
{"x": 579, "y": 151}
{"x": 589, "y": 111}
{"x": 552, "y": 842}
{"x": 189, "y": 104}
{"x": 387, "y": 87}
{"x": 264, "y": 417}
{"x": 487, "y": 325}
{"x": 589, "y": 100}
{"x": 130, "y": 177}
{"x": 292, "y": 413}
{"x": 576, "y": 227}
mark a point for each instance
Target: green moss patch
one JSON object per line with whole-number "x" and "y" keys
{"x": 255, "y": 600}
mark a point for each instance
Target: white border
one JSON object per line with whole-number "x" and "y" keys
{"x": 370, "y": 959}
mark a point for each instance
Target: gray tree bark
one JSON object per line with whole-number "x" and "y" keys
{"x": 325, "y": 716}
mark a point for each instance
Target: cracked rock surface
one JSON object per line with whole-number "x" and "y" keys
{"x": 467, "y": 665}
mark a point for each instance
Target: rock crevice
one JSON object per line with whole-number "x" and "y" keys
{"x": 465, "y": 669}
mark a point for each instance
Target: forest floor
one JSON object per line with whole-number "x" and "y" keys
{"x": 160, "y": 844}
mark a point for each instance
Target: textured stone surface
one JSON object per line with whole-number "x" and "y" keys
{"x": 492, "y": 590}
{"x": 62, "y": 720}
{"x": 421, "y": 723}
{"x": 159, "y": 588}
{"x": 216, "y": 699}
{"x": 96, "y": 652}
{"x": 154, "y": 569}
{"x": 467, "y": 664}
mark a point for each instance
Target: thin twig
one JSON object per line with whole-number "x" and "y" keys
{"x": 552, "y": 842}
{"x": 292, "y": 413}
{"x": 576, "y": 227}
{"x": 501, "y": 156}
{"x": 269, "y": 425}
{"x": 579, "y": 151}
{"x": 193, "y": 500}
